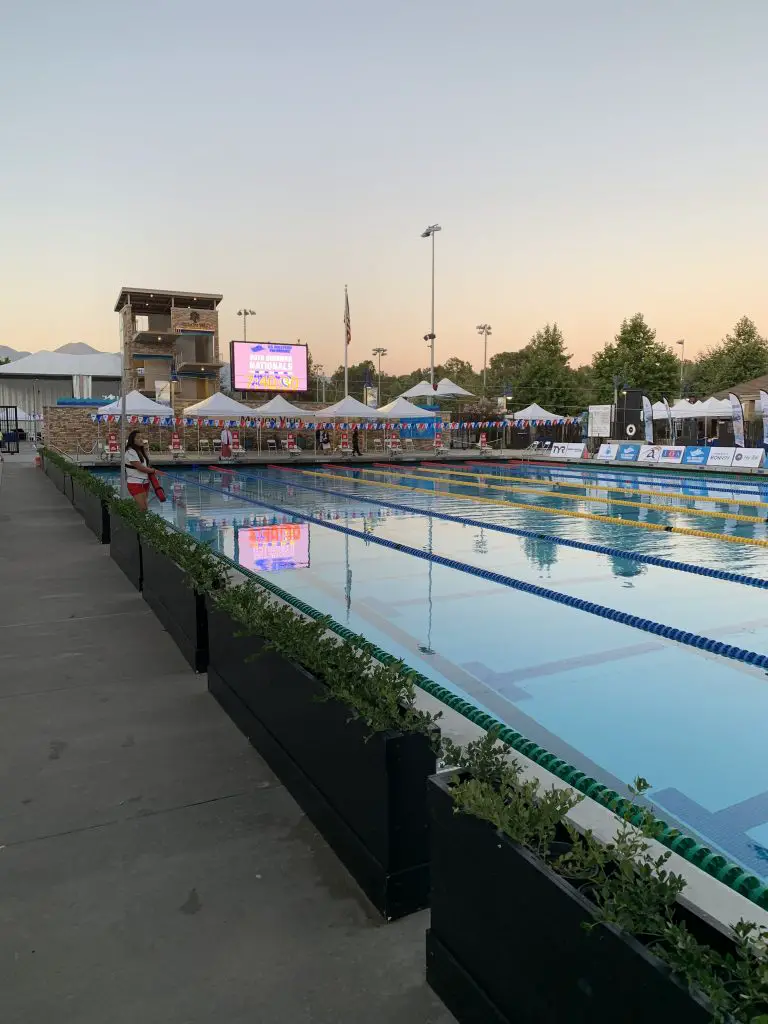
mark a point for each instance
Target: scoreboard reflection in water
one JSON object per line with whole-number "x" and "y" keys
{"x": 268, "y": 366}
{"x": 274, "y": 548}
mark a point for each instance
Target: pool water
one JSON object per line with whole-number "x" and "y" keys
{"x": 610, "y": 698}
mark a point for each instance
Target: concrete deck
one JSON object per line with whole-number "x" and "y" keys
{"x": 151, "y": 866}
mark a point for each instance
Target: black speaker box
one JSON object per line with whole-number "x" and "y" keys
{"x": 629, "y": 415}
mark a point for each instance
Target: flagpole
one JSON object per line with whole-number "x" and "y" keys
{"x": 346, "y": 343}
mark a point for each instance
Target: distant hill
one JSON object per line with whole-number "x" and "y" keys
{"x": 72, "y": 348}
{"x": 77, "y": 348}
{"x": 11, "y": 353}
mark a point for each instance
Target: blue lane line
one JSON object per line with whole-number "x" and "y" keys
{"x": 624, "y": 618}
{"x": 608, "y": 474}
{"x": 579, "y": 545}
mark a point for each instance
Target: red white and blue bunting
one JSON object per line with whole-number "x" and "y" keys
{"x": 299, "y": 424}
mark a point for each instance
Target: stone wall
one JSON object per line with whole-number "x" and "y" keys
{"x": 65, "y": 427}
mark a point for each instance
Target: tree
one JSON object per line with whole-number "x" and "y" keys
{"x": 740, "y": 356}
{"x": 361, "y": 375}
{"x": 581, "y": 388}
{"x": 504, "y": 372}
{"x": 4, "y": 361}
{"x": 460, "y": 372}
{"x": 638, "y": 361}
{"x": 545, "y": 375}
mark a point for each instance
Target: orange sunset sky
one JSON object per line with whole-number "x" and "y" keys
{"x": 586, "y": 161}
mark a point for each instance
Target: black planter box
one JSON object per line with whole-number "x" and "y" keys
{"x": 365, "y": 793}
{"x": 506, "y": 941}
{"x": 125, "y": 549}
{"x": 55, "y": 474}
{"x": 179, "y": 607}
{"x": 93, "y": 510}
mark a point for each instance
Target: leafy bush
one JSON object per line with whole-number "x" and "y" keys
{"x": 627, "y": 882}
{"x": 382, "y": 695}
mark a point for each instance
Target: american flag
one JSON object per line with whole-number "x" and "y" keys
{"x": 347, "y": 321}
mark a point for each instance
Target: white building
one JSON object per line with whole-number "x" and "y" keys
{"x": 42, "y": 378}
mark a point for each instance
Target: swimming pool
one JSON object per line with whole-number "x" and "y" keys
{"x": 486, "y": 579}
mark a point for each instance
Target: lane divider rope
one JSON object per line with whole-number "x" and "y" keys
{"x": 556, "y": 484}
{"x": 426, "y": 474}
{"x": 595, "y": 517}
{"x": 738, "y": 482}
{"x": 579, "y": 545}
{"x": 680, "y": 636}
{"x": 714, "y": 864}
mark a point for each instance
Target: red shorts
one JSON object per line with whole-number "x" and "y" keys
{"x": 138, "y": 488}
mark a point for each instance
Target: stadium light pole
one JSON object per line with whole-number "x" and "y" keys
{"x": 430, "y": 232}
{"x": 245, "y": 313}
{"x": 378, "y": 351}
{"x": 485, "y": 331}
{"x": 681, "y": 343}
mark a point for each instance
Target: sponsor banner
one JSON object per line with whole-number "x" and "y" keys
{"x": 720, "y": 456}
{"x": 573, "y": 450}
{"x": 607, "y": 452}
{"x": 738, "y": 420}
{"x": 748, "y": 458}
{"x": 628, "y": 452}
{"x": 672, "y": 454}
{"x": 648, "y": 419}
{"x": 649, "y": 453}
{"x": 696, "y": 456}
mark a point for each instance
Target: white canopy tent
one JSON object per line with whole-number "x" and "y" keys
{"x": 535, "y": 412}
{"x": 218, "y": 406}
{"x": 421, "y": 390}
{"x": 446, "y": 388}
{"x": 136, "y": 404}
{"x": 716, "y": 408}
{"x": 278, "y": 407}
{"x": 402, "y": 409}
{"x": 682, "y": 409}
{"x": 659, "y": 411}
{"x": 348, "y": 409}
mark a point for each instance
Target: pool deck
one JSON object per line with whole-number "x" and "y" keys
{"x": 452, "y": 455}
{"x": 153, "y": 867}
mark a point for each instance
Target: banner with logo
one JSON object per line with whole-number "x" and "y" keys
{"x": 672, "y": 431}
{"x": 764, "y": 405}
{"x": 607, "y": 452}
{"x": 748, "y": 458}
{"x": 672, "y": 455}
{"x": 696, "y": 456}
{"x": 648, "y": 419}
{"x": 738, "y": 420}
{"x": 628, "y": 453}
{"x": 573, "y": 450}
{"x": 649, "y": 453}
{"x": 720, "y": 456}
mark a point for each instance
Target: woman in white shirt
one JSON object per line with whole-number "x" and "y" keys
{"x": 137, "y": 470}
{"x": 226, "y": 443}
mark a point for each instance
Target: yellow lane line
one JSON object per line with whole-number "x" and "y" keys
{"x": 594, "y": 487}
{"x": 542, "y": 508}
{"x": 424, "y": 475}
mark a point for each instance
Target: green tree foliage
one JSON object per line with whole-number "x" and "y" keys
{"x": 545, "y": 375}
{"x": 504, "y": 372}
{"x": 638, "y": 360}
{"x": 740, "y": 356}
{"x": 460, "y": 372}
{"x": 4, "y": 361}
{"x": 358, "y": 374}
